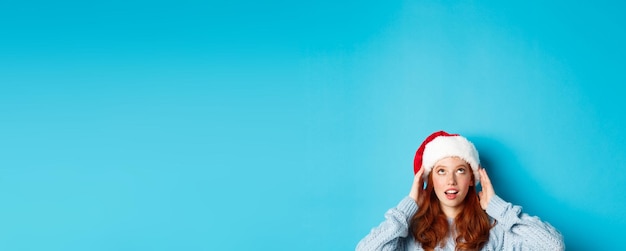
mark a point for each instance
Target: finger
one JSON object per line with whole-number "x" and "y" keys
{"x": 484, "y": 178}
{"x": 419, "y": 175}
{"x": 486, "y": 182}
{"x": 421, "y": 171}
{"x": 417, "y": 180}
{"x": 417, "y": 186}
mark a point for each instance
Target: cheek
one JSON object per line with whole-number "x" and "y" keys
{"x": 465, "y": 181}
{"x": 439, "y": 184}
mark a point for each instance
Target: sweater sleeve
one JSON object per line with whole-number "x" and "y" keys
{"x": 521, "y": 231}
{"x": 390, "y": 234}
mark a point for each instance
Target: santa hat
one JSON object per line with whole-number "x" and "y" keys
{"x": 440, "y": 145}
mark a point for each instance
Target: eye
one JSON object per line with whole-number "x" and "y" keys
{"x": 441, "y": 171}
{"x": 460, "y": 170}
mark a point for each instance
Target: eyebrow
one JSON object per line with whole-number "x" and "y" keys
{"x": 437, "y": 166}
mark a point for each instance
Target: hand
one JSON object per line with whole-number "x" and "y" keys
{"x": 487, "y": 191}
{"x": 417, "y": 190}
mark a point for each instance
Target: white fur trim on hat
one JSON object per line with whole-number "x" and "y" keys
{"x": 450, "y": 146}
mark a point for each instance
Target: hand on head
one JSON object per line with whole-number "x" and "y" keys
{"x": 487, "y": 192}
{"x": 417, "y": 190}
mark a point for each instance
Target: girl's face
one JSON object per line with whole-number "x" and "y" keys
{"x": 452, "y": 179}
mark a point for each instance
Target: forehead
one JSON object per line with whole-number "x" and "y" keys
{"x": 451, "y": 162}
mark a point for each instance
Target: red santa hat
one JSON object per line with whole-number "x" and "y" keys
{"x": 440, "y": 145}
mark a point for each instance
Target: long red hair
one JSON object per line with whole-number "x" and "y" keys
{"x": 430, "y": 226}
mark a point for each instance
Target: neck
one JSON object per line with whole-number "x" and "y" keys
{"x": 451, "y": 212}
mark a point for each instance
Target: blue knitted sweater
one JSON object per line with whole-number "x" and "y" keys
{"x": 513, "y": 230}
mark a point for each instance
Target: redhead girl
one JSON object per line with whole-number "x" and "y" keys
{"x": 449, "y": 214}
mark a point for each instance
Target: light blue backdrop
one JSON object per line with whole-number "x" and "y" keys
{"x": 273, "y": 125}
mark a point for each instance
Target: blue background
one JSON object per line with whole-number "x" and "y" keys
{"x": 276, "y": 125}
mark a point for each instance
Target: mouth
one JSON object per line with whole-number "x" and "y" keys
{"x": 451, "y": 194}
{"x": 451, "y": 191}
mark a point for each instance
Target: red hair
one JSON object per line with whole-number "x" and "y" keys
{"x": 430, "y": 226}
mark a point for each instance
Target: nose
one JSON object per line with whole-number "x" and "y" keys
{"x": 451, "y": 179}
